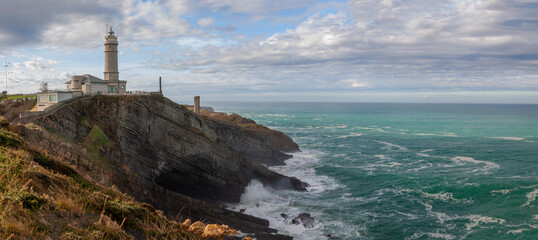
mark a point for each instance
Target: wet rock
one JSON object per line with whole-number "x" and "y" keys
{"x": 285, "y": 216}
{"x": 242, "y": 210}
{"x": 304, "y": 218}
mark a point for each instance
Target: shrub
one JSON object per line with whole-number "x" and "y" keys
{"x": 57, "y": 167}
{"x": 8, "y": 139}
{"x": 31, "y": 201}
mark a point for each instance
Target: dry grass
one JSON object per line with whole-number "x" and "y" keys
{"x": 12, "y": 109}
{"x": 41, "y": 198}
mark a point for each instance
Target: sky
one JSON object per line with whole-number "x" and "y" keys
{"x": 461, "y": 51}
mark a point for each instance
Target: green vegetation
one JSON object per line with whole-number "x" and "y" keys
{"x": 42, "y": 198}
{"x": 20, "y": 96}
{"x": 97, "y": 138}
{"x": 57, "y": 167}
{"x": 8, "y": 139}
{"x": 96, "y": 141}
{"x": 58, "y": 134}
{"x": 31, "y": 201}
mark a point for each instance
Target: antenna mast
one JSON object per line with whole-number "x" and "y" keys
{"x": 6, "y": 65}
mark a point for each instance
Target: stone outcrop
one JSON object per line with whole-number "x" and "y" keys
{"x": 304, "y": 218}
{"x": 161, "y": 153}
{"x": 253, "y": 141}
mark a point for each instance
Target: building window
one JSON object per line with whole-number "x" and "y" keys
{"x": 38, "y": 98}
{"x": 52, "y": 98}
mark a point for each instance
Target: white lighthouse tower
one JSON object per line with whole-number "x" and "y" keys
{"x": 111, "y": 57}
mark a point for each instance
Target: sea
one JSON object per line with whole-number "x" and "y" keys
{"x": 402, "y": 171}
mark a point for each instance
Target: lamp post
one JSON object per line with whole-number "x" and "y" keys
{"x": 6, "y": 65}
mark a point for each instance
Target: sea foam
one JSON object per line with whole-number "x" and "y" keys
{"x": 488, "y": 166}
{"x": 254, "y": 193}
{"x": 445, "y": 197}
{"x": 510, "y": 138}
{"x": 531, "y": 197}
{"x": 266, "y": 203}
{"x": 391, "y": 146}
{"x": 350, "y": 135}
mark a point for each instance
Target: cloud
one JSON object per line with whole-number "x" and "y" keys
{"x": 22, "y": 22}
{"x": 196, "y": 43}
{"x": 258, "y": 46}
{"x": 405, "y": 45}
{"x": 205, "y": 22}
{"x": 40, "y": 64}
{"x": 356, "y": 83}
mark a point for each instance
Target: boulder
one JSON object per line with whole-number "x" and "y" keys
{"x": 304, "y": 218}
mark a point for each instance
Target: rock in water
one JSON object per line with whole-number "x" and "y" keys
{"x": 305, "y": 219}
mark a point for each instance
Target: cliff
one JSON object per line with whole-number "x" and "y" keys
{"x": 161, "y": 153}
{"x": 253, "y": 141}
{"x": 45, "y": 199}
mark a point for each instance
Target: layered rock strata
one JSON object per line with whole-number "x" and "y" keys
{"x": 253, "y": 141}
{"x": 162, "y": 153}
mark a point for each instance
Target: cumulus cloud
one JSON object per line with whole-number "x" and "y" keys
{"x": 40, "y": 64}
{"x": 22, "y": 22}
{"x": 358, "y": 45}
{"x": 403, "y": 45}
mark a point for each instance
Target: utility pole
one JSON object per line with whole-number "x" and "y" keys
{"x": 6, "y": 65}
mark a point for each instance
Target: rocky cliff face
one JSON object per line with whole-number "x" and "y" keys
{"x": 253, "y": 141}
{"x": 159, "y": 152}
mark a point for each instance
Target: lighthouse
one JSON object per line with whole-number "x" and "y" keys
{"x": 111, "y": 57}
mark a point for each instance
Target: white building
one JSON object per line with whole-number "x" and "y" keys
{"x": 91, "y": 85}
{"x": 49, "y": 98}
{"x": 87, "y": 84}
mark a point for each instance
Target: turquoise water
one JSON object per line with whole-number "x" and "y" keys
{"x": 403, "y": 171}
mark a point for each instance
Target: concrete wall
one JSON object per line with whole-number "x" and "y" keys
{"x": 64, "y": 96}
{"x": 97, "y": 89}
{"x": 43, "y": 106}
{"x": 43, "y": 99}
{"x": 76, "y": 83}
{"x": 86, "y": 89}
{"x": 122, "y": 88}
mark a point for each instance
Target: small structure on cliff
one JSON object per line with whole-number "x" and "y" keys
{"x": 87, "y": 84}
{"x": 197, "y": 105}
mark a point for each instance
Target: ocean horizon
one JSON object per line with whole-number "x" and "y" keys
{"x": 402, "y": 170}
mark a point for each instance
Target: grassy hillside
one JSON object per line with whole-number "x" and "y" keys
{"x": 20, "y": 96}
{"x": 41, "y": 198}
{"x": 12, "y": 109}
